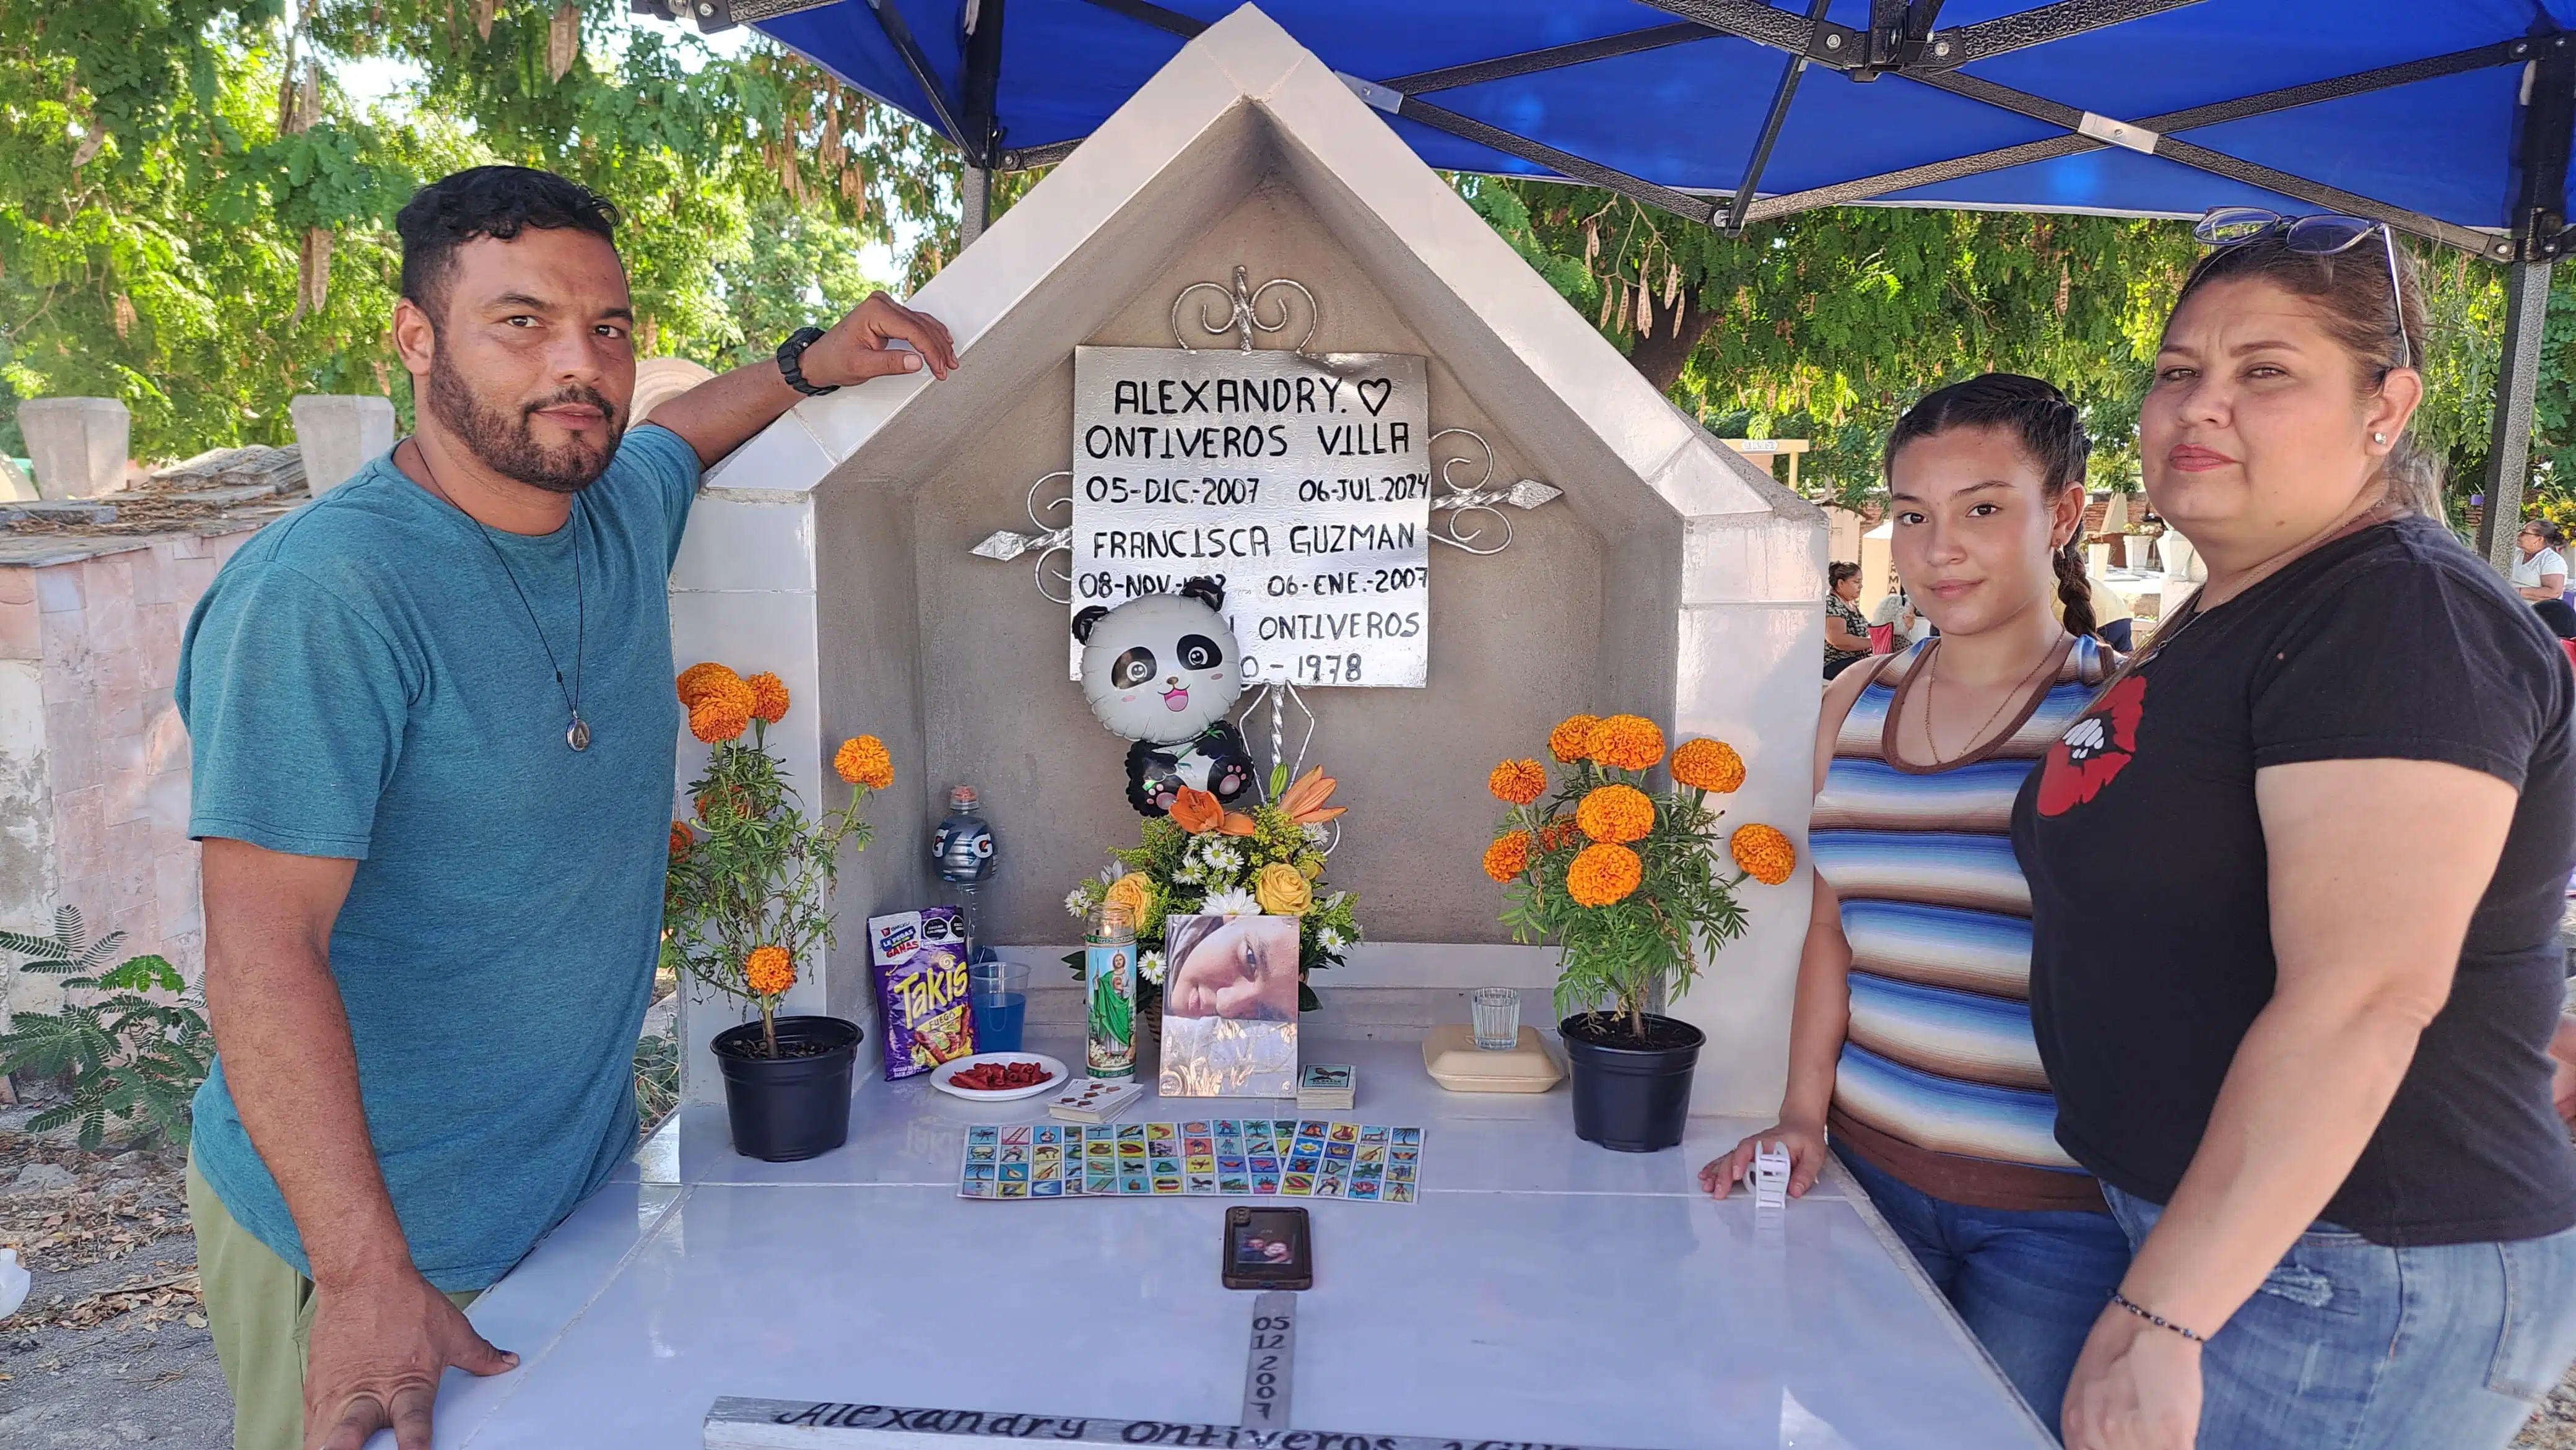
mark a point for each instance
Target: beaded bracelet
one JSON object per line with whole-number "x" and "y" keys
{"x": 2154, "y": 1318}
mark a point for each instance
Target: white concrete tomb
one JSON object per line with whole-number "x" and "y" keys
{"x": 1673, "y": 579}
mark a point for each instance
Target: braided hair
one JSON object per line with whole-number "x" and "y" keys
{"x": 2050, "y": 430}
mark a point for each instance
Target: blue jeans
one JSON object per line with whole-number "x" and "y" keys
{"x": 2028, "y": 1283}
{"x": 2361, "y": 1346}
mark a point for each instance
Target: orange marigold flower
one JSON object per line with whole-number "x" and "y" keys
{"x": 1558, "y": 833}
{"x": 1571, "y": 740}
{"x": 1603, "y": 873}
{"x": 1616, "y": 813}
{"x": 768, "y": 696}
{"x": 716, "y": 720}
{"x": 864, "y": 760}
{"x": 768, "y": 971}
{"x": 1518, "y": 781}
{"x": 1708, "y": 765}
{"x": 1508, "y": 856}
{"x": 698, "y": 679}
{"x": 680, "y": 840}
{"x": 1627, "y": 742}
{"x": 1763, "y": 852}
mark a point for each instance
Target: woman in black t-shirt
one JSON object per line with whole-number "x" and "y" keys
{"x": 2296, "y": 879}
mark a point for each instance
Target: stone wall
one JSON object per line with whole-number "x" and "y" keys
{"x": 93, "y": 762}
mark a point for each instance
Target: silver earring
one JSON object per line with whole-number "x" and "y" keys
{"x": 2378, "y": 437}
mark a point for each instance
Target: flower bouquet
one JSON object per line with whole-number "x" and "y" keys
{"x": 743, "y": 905}
{"x": 1632, "y": 884}
{"x": 1204, "y": 860}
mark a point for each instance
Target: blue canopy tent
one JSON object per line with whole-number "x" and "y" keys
{"x": 2447, "y": 119}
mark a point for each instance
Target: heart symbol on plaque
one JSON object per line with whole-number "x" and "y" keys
{"x": 1384, "y": 387}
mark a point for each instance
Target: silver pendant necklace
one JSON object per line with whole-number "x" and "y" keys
{"x": 577, "y": 734}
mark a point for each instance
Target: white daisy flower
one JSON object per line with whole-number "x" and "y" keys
{"x": 1315, "y": 833}
{"x": 1074, "y": 904}
{"x": 1329, "y": 939}
{"x": 1233, "y": 901}
{"x": 1150, "y": 967}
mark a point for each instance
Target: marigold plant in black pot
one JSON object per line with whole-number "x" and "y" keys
{"x": 1630, "y": 883}
{"x": 744, "y": 904}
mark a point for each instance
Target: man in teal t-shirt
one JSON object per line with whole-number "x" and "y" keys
{"x": 432, "y": 725}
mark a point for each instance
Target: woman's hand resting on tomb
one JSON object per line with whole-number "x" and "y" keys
{"x": 1806, "y": 1143}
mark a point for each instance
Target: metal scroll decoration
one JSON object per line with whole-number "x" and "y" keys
{"x": 1048, "y": 541}
{"x": 1243, "y": 311}
{"x": 1276, "y": 692}
{"x": 1467, "y": 511}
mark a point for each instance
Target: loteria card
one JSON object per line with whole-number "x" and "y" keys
{"x": 1166, "y": 1160}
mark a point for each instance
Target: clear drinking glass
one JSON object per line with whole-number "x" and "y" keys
{"x": 1497, "y": 1017}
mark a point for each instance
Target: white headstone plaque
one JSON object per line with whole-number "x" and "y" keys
{"x": 1301, "y": 481}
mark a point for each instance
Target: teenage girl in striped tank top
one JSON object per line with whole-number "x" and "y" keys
{"x": 1911, "y": 1040}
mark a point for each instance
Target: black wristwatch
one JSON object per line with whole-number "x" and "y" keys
{"x": 791, "y": 352}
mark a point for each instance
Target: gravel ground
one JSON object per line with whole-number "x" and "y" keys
{"x": 110, "y": 1348}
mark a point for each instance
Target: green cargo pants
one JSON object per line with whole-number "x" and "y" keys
{"x": 261, "y": 1312}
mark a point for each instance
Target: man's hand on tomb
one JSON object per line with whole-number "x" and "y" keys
{"x": 859, "y": 346}
{"x": 378, "y": 1347}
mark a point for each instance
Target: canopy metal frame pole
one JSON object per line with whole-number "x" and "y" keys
{"x": 2517, "y": 382}
{"x": 1772, "y": 121}
{"x": 982, "y": 137}
{"x": 1863, "y": 188}
{"x": 2540, "y": 227}
{"x": 1900, "y": 41}
{"x": 898, "y": 33}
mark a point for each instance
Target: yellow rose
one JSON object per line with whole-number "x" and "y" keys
{"x": 1282, "y": 891}
{"x": 1131, "y": 894}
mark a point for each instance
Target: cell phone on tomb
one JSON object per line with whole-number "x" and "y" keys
{"x": 1267, "y": 1248}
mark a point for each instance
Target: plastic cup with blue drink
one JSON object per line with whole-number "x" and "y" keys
{"x": 1000, "y": 991}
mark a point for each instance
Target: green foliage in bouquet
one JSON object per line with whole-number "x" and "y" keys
{"x": 1203, "y": 860}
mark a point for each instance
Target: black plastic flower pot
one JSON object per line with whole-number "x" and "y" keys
{"x": 1631, "y": 1095}
{"x": 797, "y": 1104}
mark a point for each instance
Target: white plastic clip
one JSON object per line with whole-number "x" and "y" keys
{"x": 1768, "y": 1175}
{"x": 2119, "y": 133}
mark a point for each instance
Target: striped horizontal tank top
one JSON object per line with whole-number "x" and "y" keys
{"x": 1939, "y": 1082}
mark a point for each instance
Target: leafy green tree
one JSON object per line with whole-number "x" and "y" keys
{"x": 196, "y": 219}
{"x": 806, "y": 270}
{"x": 1828, "y": 324}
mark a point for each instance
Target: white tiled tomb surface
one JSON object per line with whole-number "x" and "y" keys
{"x": 1543, "y": 1291}
{"x": 1673, "y": 579}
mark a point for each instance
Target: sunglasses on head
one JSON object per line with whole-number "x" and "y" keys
{"x": 2325, "y": 234}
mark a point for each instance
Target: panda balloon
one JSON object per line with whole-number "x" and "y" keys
{"x": 1163, "y": 670}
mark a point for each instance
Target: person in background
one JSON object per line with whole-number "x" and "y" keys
{"x": 1894, "y": 616}
{"x": 431, "y": 719}
{"x": 2307, "y": 1045}
{"x": 1846, "y": 628}
{"x": 2541, "y": 570}
{"x": 2560, "y": 616}
{"x": 1910, "y": 1041}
